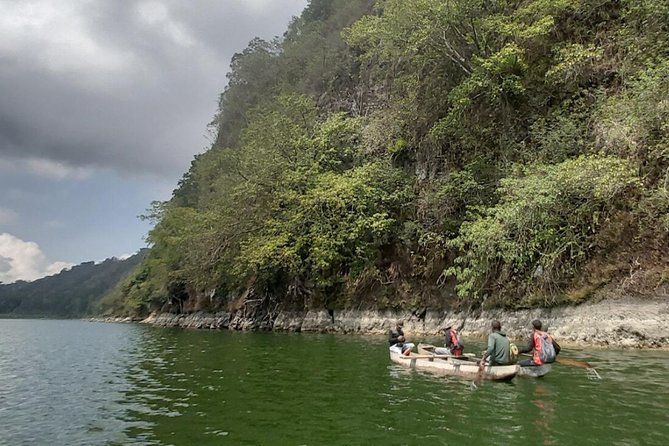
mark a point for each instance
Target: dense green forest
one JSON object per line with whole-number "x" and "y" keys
{"x": 426, "y": 153}
{"x": 75, "y": 292}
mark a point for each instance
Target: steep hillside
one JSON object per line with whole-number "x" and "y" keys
{"x": 72, "y": 293}
{"x": 427, "y": 154}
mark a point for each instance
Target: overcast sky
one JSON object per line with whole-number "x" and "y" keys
{"x": 103, "y": 105}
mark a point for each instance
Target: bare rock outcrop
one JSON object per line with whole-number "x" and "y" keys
{"x": 621, "y": 322}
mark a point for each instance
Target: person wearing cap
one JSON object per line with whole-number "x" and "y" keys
{"x": 452, "y": 343}
{"x": 499, "y": 347}
{"x": 534, "y": 346}
{"x": 397, "y": 340}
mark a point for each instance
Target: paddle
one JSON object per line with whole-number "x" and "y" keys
{"x": 430, "y": 351}
{"x": 479, "y": 374}
{"x": 575, "y": 363}
{"x": 462, "y": 357}
{"x": 434, "y": 355}
{"x": 567, "y": 361}
{"x": 427, "y": 356}
{"x": 592, "y": 372}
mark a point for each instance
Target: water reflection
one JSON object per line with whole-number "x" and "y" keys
{"x": 544, "y": 413}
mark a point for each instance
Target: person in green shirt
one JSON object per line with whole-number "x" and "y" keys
{"x": 499, "y": 346}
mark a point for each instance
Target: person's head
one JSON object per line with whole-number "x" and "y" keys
{"x": 496, "y": 326}
{"x": 536, "y": 324}
{"x": 447, "y": 328}
{"x": 400, "y": 323}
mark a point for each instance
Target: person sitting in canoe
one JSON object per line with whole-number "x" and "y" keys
{"x": 452, "y": 343}
{"x": 397, "y": 340}
{"x": 542, "y": 345}
{"x": 499, "y": 347}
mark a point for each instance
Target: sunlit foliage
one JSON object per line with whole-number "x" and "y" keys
{"x": 423, "y": 153}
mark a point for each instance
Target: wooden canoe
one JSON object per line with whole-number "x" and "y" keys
{"x": 449, "y": 366}
{"x": 535, "y": 371}
{"x": 428, "y": 349}
{"x": 530, "y": 372}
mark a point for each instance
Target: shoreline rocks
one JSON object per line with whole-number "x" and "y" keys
{"x": 618, "y": 323}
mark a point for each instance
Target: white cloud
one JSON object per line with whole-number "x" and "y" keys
{"x": 7, "y": 216}
{"x": 21, "y": 260}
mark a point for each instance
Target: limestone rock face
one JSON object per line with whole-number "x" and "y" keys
{"x": 621, "y": 322}
{"x": 194, "y": 320}
{"x": 289, "y": 321}
{"x": 318, "y": 321}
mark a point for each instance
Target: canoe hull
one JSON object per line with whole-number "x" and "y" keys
{"x": 454, "y": 367}
{"x": 535, "y": 371}
{"x": 530, "y": 372}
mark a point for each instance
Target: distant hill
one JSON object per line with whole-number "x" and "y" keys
{"x": 69, "y": 294}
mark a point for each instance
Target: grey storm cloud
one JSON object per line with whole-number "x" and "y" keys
{"x": 123, "y": 85}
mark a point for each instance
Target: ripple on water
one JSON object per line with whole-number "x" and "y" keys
{"x": 76, "y": 383}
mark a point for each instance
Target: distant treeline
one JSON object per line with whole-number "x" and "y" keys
{"x": 426, "y": 153}
{"x": 75, "y": 292}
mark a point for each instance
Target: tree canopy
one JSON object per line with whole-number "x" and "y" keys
{"x": 428, "y": 153}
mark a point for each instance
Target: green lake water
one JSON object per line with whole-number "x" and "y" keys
{"x": 84, "y": 383}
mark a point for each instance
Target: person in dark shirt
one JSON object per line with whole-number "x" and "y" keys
{"x": 534, "y": 346}
{"x": 397, "y": 340}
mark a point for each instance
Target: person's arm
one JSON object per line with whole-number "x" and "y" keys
{"x": 491, "y": 347}
{"x": 394, "y": 337}
{"x": 556, "y": 346}
{"x": 448, "y": 342}
{"x": 460, "y": 344}
{"x": 529, "y": 347}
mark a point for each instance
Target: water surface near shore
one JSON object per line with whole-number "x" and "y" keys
{"x": 84, "y": 383}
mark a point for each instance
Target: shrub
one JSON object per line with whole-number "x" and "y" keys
{"x": 543, "y": 226}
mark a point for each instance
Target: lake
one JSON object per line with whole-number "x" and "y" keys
{"x": 86, "y": 383}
